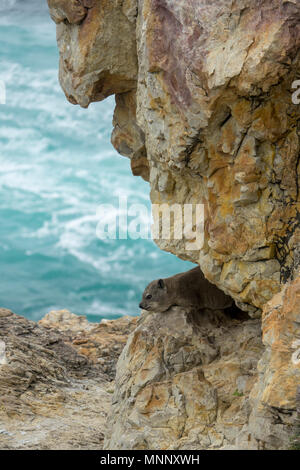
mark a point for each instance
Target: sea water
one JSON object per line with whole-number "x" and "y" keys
{"x": 57, "y": 166}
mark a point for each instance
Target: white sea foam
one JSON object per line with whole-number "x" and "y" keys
{"x": 98, "y": 308}
{"x": 56, "y": 167}
{"x": 40, "y": 91}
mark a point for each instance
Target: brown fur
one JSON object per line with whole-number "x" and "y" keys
{"x": 189, "y": 290}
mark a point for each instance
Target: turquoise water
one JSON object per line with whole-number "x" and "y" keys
{"x": 56, "y": 166}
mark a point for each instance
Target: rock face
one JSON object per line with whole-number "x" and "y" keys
{"x": 86, "y": 27}
{"x": 191, "y": 382}
{"x": 274, "y": 396}
{"x": 205, "y": 111}
{"x": 183, "y": 381}
{"x": 54, "y": 394}
{"x": 101, "y": 343}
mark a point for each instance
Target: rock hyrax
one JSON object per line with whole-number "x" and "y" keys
{"x": 189, "y": 290}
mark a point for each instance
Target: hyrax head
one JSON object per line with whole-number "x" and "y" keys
{"x": 155, "y": 297}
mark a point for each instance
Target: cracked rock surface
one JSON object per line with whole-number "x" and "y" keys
{"x": 209, "y": 380}
{"x": 204, "y": 110}
{"x": 54, "y": 394}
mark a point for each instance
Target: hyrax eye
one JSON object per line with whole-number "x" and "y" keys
{"x": 148, "y": 297}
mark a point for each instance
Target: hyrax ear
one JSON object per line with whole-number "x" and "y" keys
{"x": 161, "y": 283}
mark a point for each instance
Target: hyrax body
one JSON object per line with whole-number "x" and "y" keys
{"x": 188, "y": 290}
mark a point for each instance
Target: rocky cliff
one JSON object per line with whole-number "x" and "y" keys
{"x": 204, "y": 111}
{"x": 210, "y": 380}
{"x": 184, "y": 381}
{"x": 56, "y": 379}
